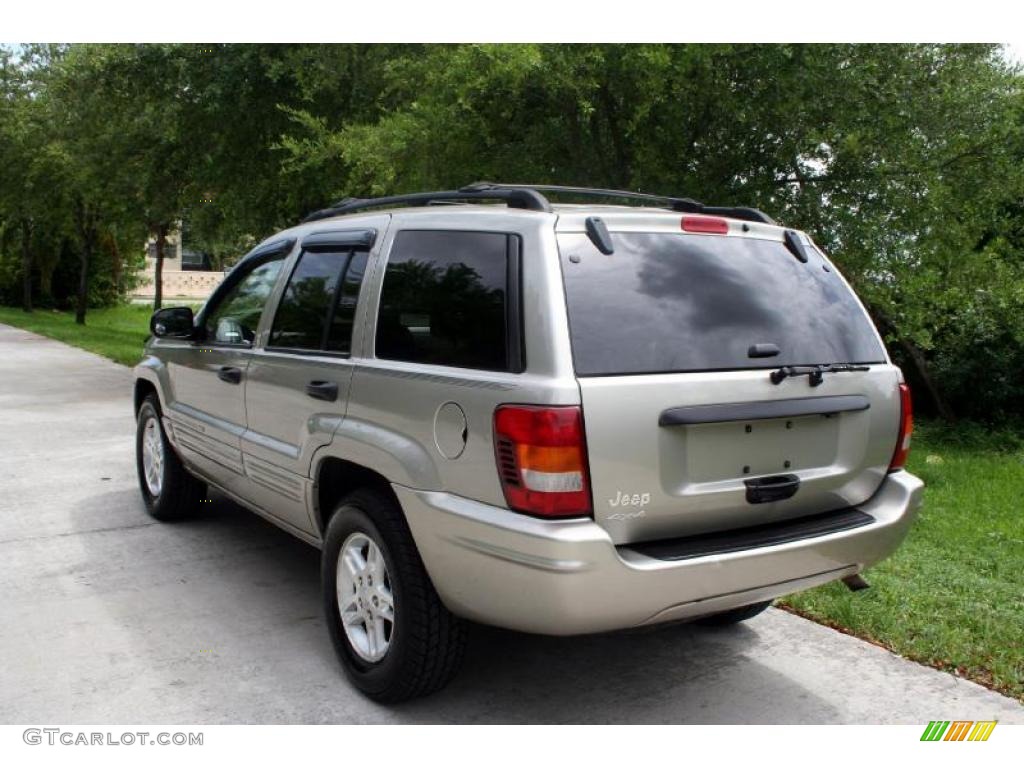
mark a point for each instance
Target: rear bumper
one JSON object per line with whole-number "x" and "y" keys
{"x": 567, "y": 577}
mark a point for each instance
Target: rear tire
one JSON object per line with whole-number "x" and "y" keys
{"x": 419, "y": 644}
{"x": 168, "y": 490}
{"x": 735, "y": 616}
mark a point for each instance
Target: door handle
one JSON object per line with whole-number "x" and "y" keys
{"x": 774, "y": 488}
{"x": 229, "y": 374}
{"x": 322, "y": 390}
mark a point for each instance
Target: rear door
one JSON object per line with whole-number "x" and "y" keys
{"x": 675, "y": 336}
{"x": 298, "y": 380}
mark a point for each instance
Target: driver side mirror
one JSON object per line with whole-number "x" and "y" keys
{"x": 173, "y": 322}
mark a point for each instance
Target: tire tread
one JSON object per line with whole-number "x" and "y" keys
{"x": 436, "y": 639}
{"x": 181, "y": 493}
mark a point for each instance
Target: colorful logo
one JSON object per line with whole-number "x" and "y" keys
{"x": 959, "y": 730}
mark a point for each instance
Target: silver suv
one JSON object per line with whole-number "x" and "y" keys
{"x": 552, "y": 418}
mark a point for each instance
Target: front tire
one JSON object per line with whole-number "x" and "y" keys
{"x": 168, "y": 490}
{"x": 393, "y": 635}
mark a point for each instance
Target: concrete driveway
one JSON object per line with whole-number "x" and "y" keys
{"x": 108, "y": 616}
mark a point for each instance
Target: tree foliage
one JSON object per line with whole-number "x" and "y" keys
{"x": 902, "y": 161}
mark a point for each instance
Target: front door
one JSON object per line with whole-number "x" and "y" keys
{"x": 207, "y": 404}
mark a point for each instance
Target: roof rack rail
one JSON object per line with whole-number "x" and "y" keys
{"x": 680, "y": 204}
{"x": 529, "y": 197}
{"x": 516, "y": 197}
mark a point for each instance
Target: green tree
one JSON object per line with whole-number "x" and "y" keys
{"x": 83, "y": 138}
{"x": 31, "y": 169}
{"x": 129, "y": 101}
{"x": 899, "y": 159}
{"x": 905, "y": 162}
{"x": 242, "y": 115}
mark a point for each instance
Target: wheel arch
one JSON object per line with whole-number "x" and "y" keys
{"x": 143, "y": 389}
{"x": 334, "y": 478}
{"x": 150, "y": 377}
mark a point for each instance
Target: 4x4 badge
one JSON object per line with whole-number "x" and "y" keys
{"x": 627, "y": 515}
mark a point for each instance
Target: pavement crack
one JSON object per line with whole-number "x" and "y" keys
{"x": 77, "y": 533}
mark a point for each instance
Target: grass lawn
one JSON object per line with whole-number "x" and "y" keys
{"x": 115, "y": 332}
{"x": 951, "y": 597}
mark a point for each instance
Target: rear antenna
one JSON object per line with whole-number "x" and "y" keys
{"x": 598, "y": 233}
{"x": 796, "y": 245}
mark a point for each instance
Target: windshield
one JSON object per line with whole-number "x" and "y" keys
{"x": 678, "y": 302}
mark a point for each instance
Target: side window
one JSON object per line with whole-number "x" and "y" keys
{"x": 233, "y": 319}
{"x": 302, "y": 315}
{"x": 445, "y": 298}
{"x": 318, "y": 306}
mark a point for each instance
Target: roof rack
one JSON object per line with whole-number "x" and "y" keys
{"x": 529, "y": 197}
{"x": 681, "y": 204}
{"x": 516, "y": 197}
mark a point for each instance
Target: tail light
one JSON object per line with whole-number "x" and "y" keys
{"x": 899, "y": 458}
{"x": 542, "y": 459}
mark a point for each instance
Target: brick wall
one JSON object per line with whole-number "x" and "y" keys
{"x": 191, "y": 285}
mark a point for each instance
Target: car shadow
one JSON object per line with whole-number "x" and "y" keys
{"x": 241, "y": 599}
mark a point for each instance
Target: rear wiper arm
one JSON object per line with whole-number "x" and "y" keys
{"x": 814, "y": 373}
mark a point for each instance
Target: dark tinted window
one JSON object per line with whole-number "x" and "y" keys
{"x": 444, "y": 300}
{"x": 667, "y": 302}
{"x": 302, "y": 315}
{"x": 339, "y": 339}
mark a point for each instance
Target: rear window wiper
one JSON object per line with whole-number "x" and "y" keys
{"x": 814, "y": 373}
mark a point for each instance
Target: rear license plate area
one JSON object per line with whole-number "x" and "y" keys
{"x": 739, "y": 449}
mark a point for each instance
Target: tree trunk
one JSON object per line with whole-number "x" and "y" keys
{"x": 917, "y": 360}
{"x": 158, "y": 271}
{"x": 46, "y": 282}
{"x": 26, "y": 265}
{"x": 84, "y": 257}
{"x": 47, "y": 266}
{"x": 116, "y": 265}
{"x": 620, "y": 175}
{"x": 87, "y": 233}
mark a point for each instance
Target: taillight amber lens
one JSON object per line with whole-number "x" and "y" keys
{"x": 542, "y": 459}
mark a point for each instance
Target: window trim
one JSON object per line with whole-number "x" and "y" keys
{"x": 307, "y": 352}
{"x": 336, "y": 302}
{"x": 278, "y": 249}
{"x": 515, "y": 332}
{"x": 332, "y": 306}
{"x": 340, "y": 240}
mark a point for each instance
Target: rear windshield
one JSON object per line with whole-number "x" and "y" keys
{"x": 667, "y": 302}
